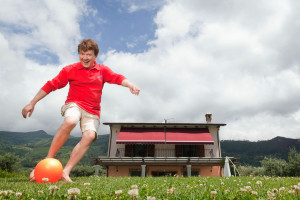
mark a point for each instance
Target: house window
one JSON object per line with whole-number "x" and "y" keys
{"x": 163, "y": 173}
{"x": 139, "y": 150}
{"x": 195, "y": 172}
{"x": 189, "y": 150}
{"x": 135, "y": 172}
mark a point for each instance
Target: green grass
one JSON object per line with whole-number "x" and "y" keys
{"x": 184, "y": 188}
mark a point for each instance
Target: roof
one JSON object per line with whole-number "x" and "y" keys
{"x": 173, "y": 125}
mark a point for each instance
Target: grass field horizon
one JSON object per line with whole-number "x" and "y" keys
{"x": 99, "y": 187}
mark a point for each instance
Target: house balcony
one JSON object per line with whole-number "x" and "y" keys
{"x": 120, "y": 152}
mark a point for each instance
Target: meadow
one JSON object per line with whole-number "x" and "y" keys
{"x": 154, "y": 188}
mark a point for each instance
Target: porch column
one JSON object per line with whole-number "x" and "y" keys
{"x": 143, "y": 170}
{"x": 189, "y": 170}
{"x": 97, "y": 170}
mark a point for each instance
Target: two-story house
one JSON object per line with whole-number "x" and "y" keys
{"x": 163, "y": 149}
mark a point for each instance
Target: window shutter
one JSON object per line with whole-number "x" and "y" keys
{"x": 150, "y": 150}
{"x": 128, "y": 150}
{"x": 178, "y": 150}
{"x": 200, "y": 150}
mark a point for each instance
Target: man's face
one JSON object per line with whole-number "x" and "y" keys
{"x": 87, "y": 58}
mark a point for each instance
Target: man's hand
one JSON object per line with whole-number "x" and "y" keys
{"x": 133, "y": 88}
{"x": 28, "y": 109}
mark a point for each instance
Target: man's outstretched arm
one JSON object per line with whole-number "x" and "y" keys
{"x": 30, "y": 107}
{"x": 133, "y": 88}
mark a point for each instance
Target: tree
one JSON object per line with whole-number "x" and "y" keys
{"x": 293, "y": 167}
{"x": 9, "y": 162}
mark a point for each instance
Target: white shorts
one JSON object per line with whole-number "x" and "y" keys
{"x": 87, "y": 120}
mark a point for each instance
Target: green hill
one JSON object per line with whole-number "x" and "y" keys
{"x": 33, "y": 146}
{"x": 251, "y": 153}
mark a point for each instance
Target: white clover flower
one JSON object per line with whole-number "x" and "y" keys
{"x": 151, "y": 198}
{"x": 10, "y": 192}
{"x": 133, "y": 192}
{"x": 118, "y": 192}
{"x": 18, "y": 194}
{"x": 254, "y": 192}
{"x": 3, "y": 193}
{"x": 292, "y": 192}
{"x": 243, "y": 189}
{"x": 73, "y": 191}
{"x": 170, "y": 191}
{"x": 88, "y": 198}
{"x": 201, "y": 184}
{"x": 227, "y": 191}
{"x": 165, "y": 181}
{"x": 222, "y": 183}
{"x": 53, "y": 187}
{"x": 282, "y": 189}
{"x": 275, "y": 190}
{"x": 270, "y": 194}
{"x": 248, "y": 188}
{"x": 40, "y": 192}
{"x": 45, "y": 179}
{"x": 213, "y": 194}
{"x": 134, "y": 187}
{"x": 86, "y": 184}
{"x": 259, "y": 183}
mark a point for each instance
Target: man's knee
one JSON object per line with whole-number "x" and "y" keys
{"x": 70, "y": 122}
{"x": 89, "y": 135}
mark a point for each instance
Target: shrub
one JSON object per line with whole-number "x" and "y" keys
{"x": 9, "y": 162}
{"x": 250, "y": 170}
{"x": 274, "y": 166}
{"x": 6, "y": 174}
{"x": 83, "y": 170}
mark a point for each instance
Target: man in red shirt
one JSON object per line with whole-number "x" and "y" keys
{"x": 86, "y": 79}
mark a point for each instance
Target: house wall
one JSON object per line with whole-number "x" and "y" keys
{"x": 214, "y": 134}
{"x": 114, "y": 135}
{"x": 123, "y": 171}
{"x": 115, "y": 129}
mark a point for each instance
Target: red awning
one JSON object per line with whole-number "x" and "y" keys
{"x": 189, "y": 136}
{"x": 141, "y": 136}
{"x": 159, "y": 136}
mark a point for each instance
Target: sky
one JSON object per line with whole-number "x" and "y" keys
{"x": 239, "y": 60}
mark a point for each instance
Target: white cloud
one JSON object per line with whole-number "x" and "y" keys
{"x": 237, "y": 60}
{"x": 220, "y": 57}
{"x": 136, "y": 5}
{"x": 34, "y": 26}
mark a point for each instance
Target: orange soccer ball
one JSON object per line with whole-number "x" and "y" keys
{"x": 48, "y": 170}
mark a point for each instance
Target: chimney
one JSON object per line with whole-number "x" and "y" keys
{"x": 208, "y": 117}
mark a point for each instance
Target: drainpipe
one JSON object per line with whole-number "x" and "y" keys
{"x": 109, "y": 146}
{"x": 219, "y": 147}
{"x": 219, "y": 144}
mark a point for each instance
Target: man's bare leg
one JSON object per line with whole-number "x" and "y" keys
{"x": 78, "y": 152}
{"x": 59, "y": 139}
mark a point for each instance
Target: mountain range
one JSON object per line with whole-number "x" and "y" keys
{"x": 33, "y": 146}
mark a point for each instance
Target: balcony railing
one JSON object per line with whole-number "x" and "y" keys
{"x": 166, "y": 153}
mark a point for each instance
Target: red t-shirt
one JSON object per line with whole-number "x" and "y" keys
{"x": 85, "y": 84}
